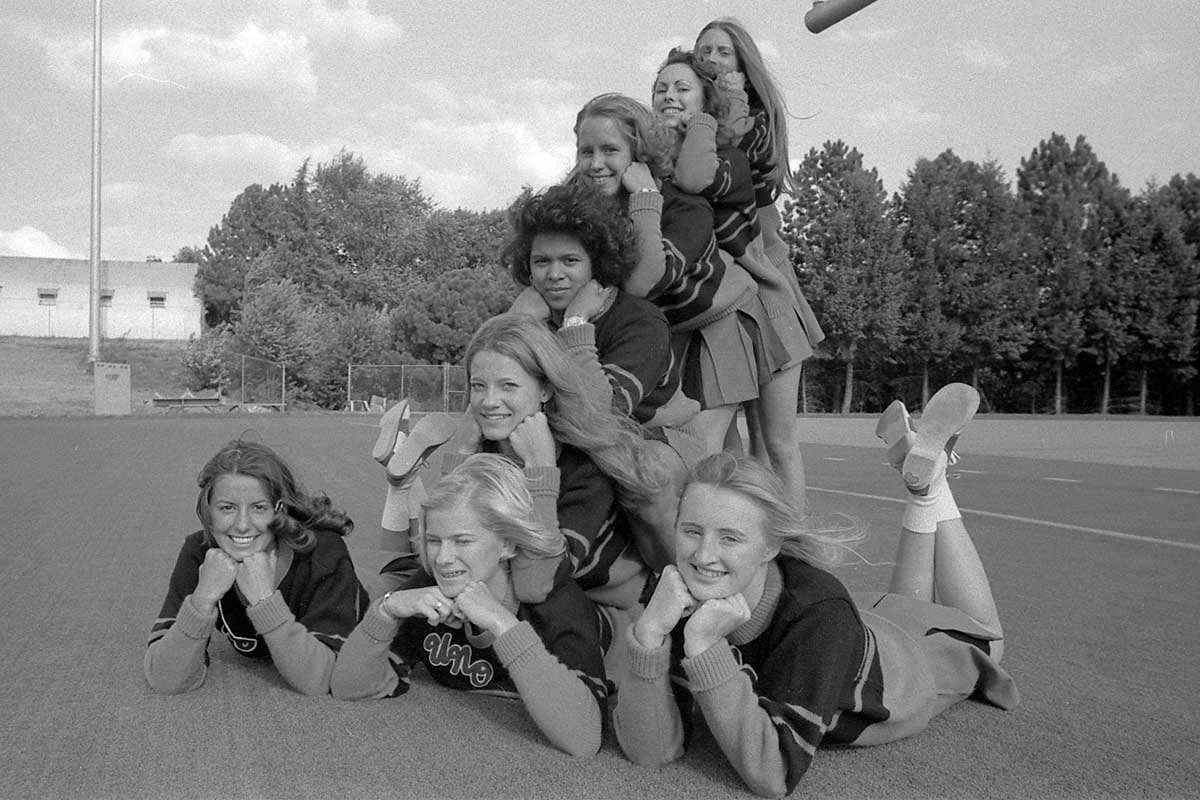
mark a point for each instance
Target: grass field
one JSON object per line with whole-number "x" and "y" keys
{"x": 52, "y": 377}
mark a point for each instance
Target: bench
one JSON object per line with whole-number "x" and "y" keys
{"x": 211, "y": 403}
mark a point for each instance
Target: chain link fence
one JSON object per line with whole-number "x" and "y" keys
{"x": 258, "y": 382}
{"x": 428, "y": 387}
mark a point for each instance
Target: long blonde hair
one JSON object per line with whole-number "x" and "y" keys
{"x": 577, "y": 416}
{"x": 496, "y": 491}
{"x": 786, "y": 525}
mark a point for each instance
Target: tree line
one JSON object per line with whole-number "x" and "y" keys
{"x": 1065, "y": 292}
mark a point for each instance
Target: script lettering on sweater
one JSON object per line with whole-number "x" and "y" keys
{"x": 445, "y": 653}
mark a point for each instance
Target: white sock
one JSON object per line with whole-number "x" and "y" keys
{"x": 922, "y": 513}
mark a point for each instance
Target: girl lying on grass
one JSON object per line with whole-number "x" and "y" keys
{"x": 751, "y": 634}
{"x": 269, "y": 569}
{"x": 459, "y": 617}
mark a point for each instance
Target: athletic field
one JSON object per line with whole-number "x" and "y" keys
{"x": 1090, "y": 530}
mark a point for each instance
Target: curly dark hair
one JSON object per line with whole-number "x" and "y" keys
{"x": 297, "y": 514}
{"x": 578, "y": 210}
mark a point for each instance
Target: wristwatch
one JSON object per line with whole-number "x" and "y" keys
{"x": 573, "y": 320}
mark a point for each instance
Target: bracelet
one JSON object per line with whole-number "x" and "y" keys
{"x": 646, "y": 191}
{"x": 382, "y": 602}
{"x": 573, "y": 321}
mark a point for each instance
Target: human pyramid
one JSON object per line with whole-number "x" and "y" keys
{"x": 587, "y": 535}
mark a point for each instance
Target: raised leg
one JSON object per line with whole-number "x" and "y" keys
{"x": 778, "y": 441}
{"x": 936, "y": 559}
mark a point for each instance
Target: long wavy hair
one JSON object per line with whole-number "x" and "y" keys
{"x": 650, "y": 140}
{"x": 578, "y": 210}
{"x": 577, "y": 416}
{"x": 297, "y": 514}
{"x": 763, "y": 92}
{"x": 495, "y": 489}
{"x": 786, "y": 525}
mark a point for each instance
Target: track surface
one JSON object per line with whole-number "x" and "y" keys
{"x": 1095, "y": 568}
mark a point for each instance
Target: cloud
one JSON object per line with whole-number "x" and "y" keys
{"x": 982, "y": 54}
{"x": 29, "y": 241}
{"x": 324, "y": 24}
{"x": 1105, "y": 75}
{"x": 252, "y": 58}
{"x": 880, "y": 34}
{"x": 896, "y": 114}
{"x": 654, "y": 53}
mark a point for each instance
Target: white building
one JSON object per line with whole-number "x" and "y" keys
{"x": 49, "y": 297}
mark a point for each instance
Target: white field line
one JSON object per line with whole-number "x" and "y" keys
{"x": 1063, "y": 480}
{"x": 1177, "y": 491}
{"x": 1029, "y": 520}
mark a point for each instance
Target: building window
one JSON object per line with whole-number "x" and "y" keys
{"x": 47, "y": 297}
{"x": 157, "y": 299}
{"x": 106, "y": 296}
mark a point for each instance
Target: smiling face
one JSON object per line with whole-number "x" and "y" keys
{"x": 241, "y": 512}
{"x": 715, "y": 47}
{"x": 558, "y": 268}
{"x": 503, "y": 394}
{"x": 677, "y": 90}
{"x": 459, "y": 549}
{"x": 721, "y": 544}
{"x": 602, "y": 152}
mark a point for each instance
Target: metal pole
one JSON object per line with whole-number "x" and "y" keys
{"x": 94, "y": 258}
{"x": 283, "y": 390}
{"x": 349, "y": 365}
{"x": 825, "y": 13}
{"x": 243, "y": 380}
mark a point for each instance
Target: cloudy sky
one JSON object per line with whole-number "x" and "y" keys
{"x": 202, "y": 98}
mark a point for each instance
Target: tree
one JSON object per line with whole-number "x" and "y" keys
{"x": 969, "y": 296}
{"x": 1183, "y": 353}
{"x": 1059, "y": 186}
{"x": 256, "y": 222}
{"x": 189, "y": 255}
{"x": 848, "y": 255}
{"x": 372, "y": 228}
{"x": 436, "y": 319}
{"x": 463, "y": 239}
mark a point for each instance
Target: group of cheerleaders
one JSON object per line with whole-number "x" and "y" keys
{"x": 586, "y": 537}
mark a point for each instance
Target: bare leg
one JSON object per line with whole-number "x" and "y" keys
{"x": 936, "y": 558}
{"x": 959, "y": 578}
{"x": 710, "y": 425}
{"x": 776, "y": 414}
{"x": 733, "y": 438}
{"x": 912, "y": 576}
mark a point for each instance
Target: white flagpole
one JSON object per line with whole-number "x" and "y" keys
{"x": 94, "y": 284}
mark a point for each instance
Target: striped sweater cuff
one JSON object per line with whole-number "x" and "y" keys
{"x": 270, "y": 613}
{"x": 515, "y": 642}
{"x": 645, "y": 201}
{"x": 711, "y": 668}
{"x": 578, "y": 336}
{"x": 379, "y": 626}
{"x": 645, "y": 663}
{"x": 193, "y": 624}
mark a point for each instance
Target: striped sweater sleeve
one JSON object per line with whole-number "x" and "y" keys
{"x": 770, "y": 725}
{"x": 176, "y": 658}
{"x": 647, "y": 719}
{"x": 304, "y": 648}
{"x": 565, "y": 703}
